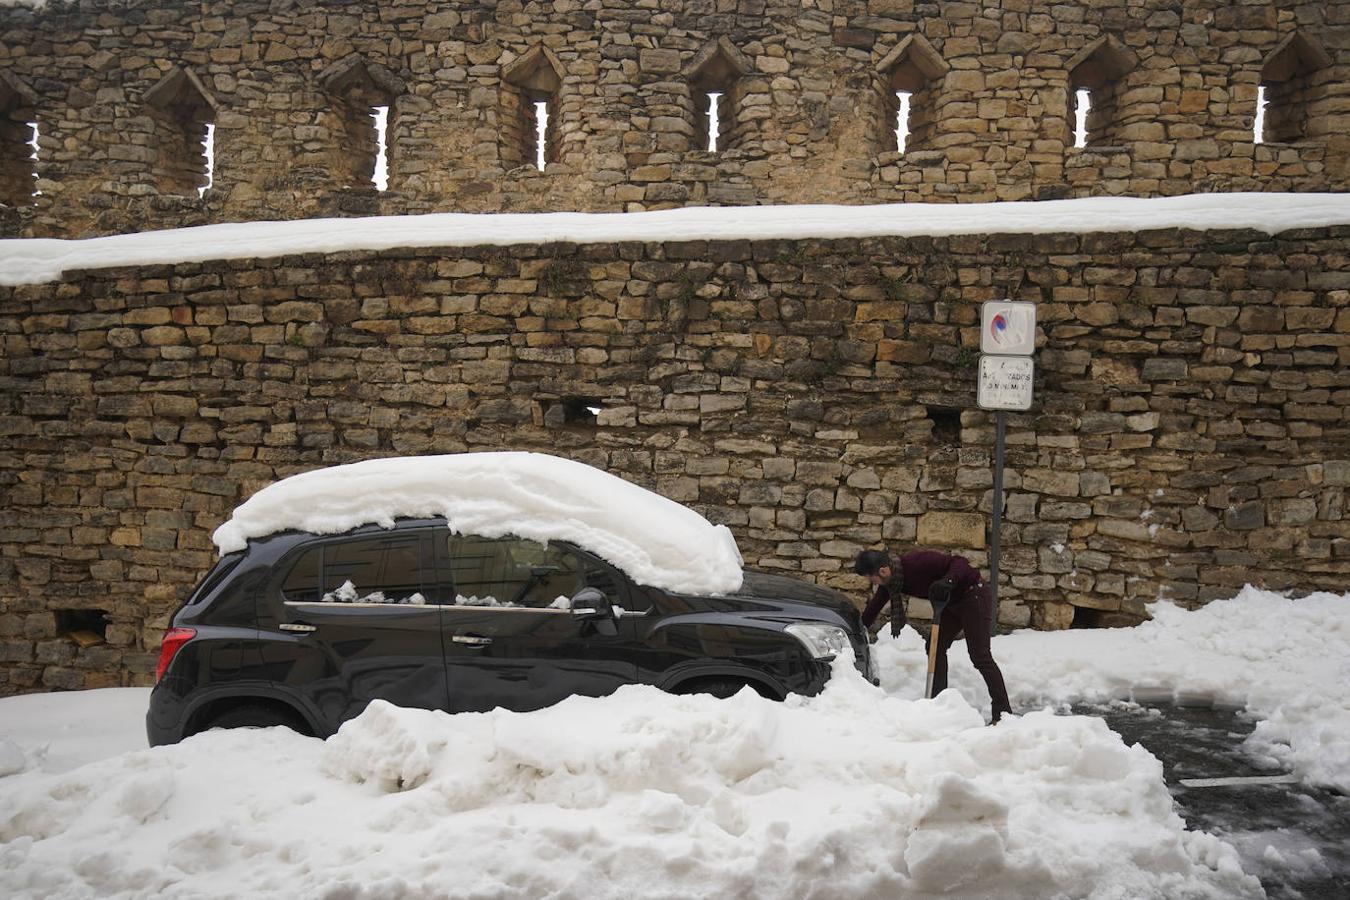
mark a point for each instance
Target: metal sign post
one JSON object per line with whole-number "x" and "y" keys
{"x": 1007, "y": 372}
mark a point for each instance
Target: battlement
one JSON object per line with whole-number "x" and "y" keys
{"x": 653, "y": 104}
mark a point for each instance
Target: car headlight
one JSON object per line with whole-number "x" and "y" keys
{"x": 821, "y": 641}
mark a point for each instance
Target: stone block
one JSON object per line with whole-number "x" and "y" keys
{"x": 659, "y": 62}
{"x": 1164, "y": 369}
{"x": 1298, "y": 511}
{"x": 1052, "y": 616}
{"x": 1051, "y": 481}
{"x": 952, "y": 529}
{"x": 828, "y": 473}
{"x": 1245, "y": 517}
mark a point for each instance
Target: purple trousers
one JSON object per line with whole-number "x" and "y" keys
{"x": 970, "y": 615}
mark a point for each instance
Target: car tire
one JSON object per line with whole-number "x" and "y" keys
{"x": 721, "y": 688}
{"x": 256, "y": 716}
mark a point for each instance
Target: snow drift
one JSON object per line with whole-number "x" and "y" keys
{"x": 1287, "y": 662}
{"x": 642, "y": 794}
{"x": 35, "y": 260}
{"x": 531, "y": 495}
{"x": 857, "y": 792}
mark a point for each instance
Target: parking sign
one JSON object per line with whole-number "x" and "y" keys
{"x": 1008, "y": 328}
{"x": 1005, "y": 383}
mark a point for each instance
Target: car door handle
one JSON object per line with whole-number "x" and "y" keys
{"x": 471, "y": 639}
{"x": 297, "y": 626}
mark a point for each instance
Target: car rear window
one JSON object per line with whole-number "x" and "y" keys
{"x": 218, "y": 573}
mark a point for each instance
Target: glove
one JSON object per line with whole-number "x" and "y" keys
{"x": 940, "y": 593}
{"x": 897, "y": 625}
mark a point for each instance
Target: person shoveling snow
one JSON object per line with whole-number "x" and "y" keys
{"x": 961, "y": 603}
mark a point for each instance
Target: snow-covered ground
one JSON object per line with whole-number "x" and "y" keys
{"x": 30, "y": 261}
{"x": 858, "y": 792}
{"x": 1287, "y": 662}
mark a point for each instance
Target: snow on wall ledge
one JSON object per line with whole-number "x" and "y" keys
{"x": 656, "y": 541}
{"x": 33, "y": 261}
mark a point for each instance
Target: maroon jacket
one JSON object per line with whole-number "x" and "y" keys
{"x": 919, "y": 569}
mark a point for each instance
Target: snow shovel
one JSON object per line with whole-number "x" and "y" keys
{"x": 933, "y": 648}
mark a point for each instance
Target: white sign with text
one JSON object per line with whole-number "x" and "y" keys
{"x": 1005, "y": 383}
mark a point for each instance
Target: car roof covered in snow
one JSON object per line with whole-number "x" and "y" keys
{"x": 656, "y": 541}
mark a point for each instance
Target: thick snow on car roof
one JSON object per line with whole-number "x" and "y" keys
{"x": 654, "y": 540}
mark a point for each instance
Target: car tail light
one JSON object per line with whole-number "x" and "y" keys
{"x": 174, "y": 639}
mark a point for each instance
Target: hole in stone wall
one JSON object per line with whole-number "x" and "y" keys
{"x": 580, "y": 410}
{"x": 910, "y": 76}
{"x": 1083, "y": 617}
{"x": 712, "y": 77}
{"x": 381, "y": 176}
{"x": 209, "y": 148}
{"x": 18, "y": 156}
{"x": 1294, "y": 90}
{"x": 572, "y": 411}
{"x": 1099, "y": 79}
{"x": 35, "y": 143}
{"x": 1259, "y": 126}
{"x": 183, "y": 116}
{"x": 85, "y": 627}
{"x": 1080, "y": 116}
{"x": 531, "y": 100}
{"x": 541, "y": 132}
{"x": 358, "y": 120}
{"x": 714, "y": 128}
{"x": 946, "y": 424}
{"x": 902, "y": 119}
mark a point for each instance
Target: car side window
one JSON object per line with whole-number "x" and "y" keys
{"x": 367, "y": 569}
{"x": 302, "y": 582}
{"x": 509, "y": 572}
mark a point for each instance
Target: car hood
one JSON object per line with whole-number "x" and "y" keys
{"x": 781, "y": 589}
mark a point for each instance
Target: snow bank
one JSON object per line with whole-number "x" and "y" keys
{"x": 641, "y": 794}
{"x": 62, "y": 731}
{"x": 30, "y": 261}
{"x": 1287, "y": 661}
{"x": 531, "y": 495}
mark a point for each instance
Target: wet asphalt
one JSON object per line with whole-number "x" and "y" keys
{"x": 1294, "y": 837}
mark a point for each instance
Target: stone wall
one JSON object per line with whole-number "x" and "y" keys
{"x": 122, "y": 91}
{"x": 1191, "y": 429}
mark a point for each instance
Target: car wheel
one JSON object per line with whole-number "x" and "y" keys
{"x": 721, "y": 688}
{"x": 255, "y": 716}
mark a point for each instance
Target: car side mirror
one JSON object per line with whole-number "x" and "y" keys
{"x": 591, "y": 604}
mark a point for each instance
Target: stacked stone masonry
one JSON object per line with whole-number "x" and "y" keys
{"x": 122, "y": 92}
{"x": 1190, "y": 433}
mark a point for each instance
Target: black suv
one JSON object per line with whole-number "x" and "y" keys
{"x": 304, "y": 630}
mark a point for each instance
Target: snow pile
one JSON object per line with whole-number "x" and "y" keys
{"x": 61, "y": 731}
{"x": 1287, "y": 661}
{"x": 642, "y": 794}
{"x": 530, "y": 495}
{"x": 30, "y": 261}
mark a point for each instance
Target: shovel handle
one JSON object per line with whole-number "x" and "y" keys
{"x": 933, "y": 651}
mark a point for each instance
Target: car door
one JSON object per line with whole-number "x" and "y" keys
{"x": 510, "y": 638}
{"x": 352, "y": 624}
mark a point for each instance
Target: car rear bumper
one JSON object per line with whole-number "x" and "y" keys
{"x": 164, "y": 717}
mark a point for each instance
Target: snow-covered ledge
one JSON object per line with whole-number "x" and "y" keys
{"x": 36, "y": 260}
